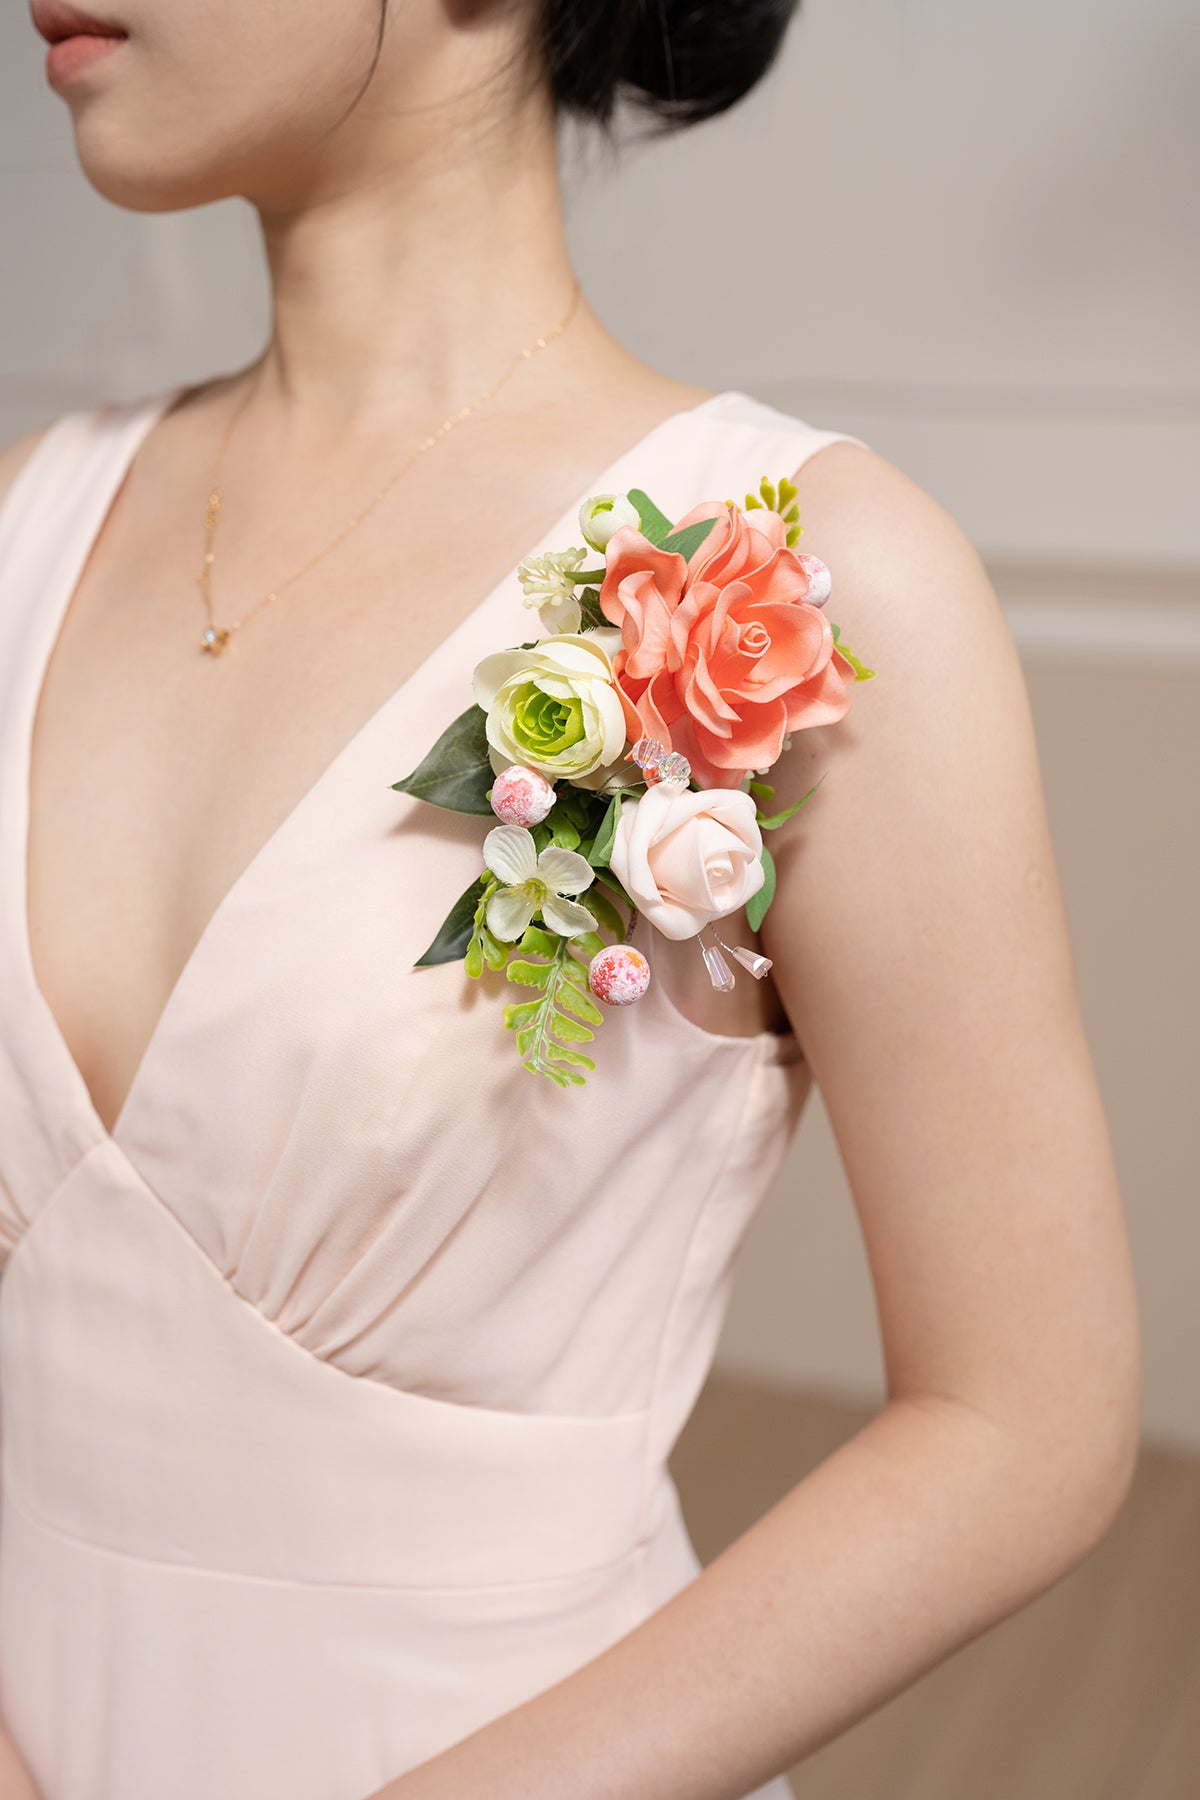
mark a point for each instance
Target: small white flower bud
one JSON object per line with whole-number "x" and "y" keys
{"x": 603, "y": 514}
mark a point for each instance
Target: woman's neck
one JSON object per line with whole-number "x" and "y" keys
{"x": 407, "y": 292}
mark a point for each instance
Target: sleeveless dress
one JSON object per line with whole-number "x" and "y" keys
{"x": 338, "y": 1379}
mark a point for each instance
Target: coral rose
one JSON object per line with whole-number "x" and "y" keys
{"x": 726, "y": 653}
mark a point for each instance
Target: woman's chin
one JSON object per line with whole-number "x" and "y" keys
{"x": 122, "y": 172}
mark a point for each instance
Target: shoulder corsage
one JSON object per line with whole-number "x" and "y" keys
{"x": 623, "y": 751}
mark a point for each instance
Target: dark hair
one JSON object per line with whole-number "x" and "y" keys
{"x": 681, "y": 60}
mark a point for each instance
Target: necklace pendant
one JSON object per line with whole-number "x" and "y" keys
{"x": 214, "y": 639}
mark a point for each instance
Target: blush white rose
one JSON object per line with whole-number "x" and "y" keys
{"x": 686, "y": 858}
{"x": 553, "y": 708}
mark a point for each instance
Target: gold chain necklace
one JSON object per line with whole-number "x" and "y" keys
{"x": 215, "y": 637}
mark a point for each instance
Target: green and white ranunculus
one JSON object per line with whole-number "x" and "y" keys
{"x": 603, "y": 514}
{"x": 534, "y": 883}
{"x": 553, "y": 707}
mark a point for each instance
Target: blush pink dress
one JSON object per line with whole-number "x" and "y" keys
{"x": 338, "y": 1380}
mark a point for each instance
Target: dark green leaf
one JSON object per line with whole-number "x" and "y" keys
{"x": 684, "y": 542}
{"x": 456, "y": 774}
{"x": 606, "y": 913}
{"x": 452, "y": 940}
{"x": 578, "y": 805}
{"x": 610, "y": 881}
{"x": 562, "y": 832}
{"x": 756, "y": 906}
{"x": 601, "y": 850}
{"x": 655, "y": 525}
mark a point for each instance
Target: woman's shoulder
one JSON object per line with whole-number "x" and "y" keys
{"x": 900, "y": 557}
{"x": 895, "y": 550}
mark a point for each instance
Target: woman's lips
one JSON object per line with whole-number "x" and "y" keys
{"x": 77, "y": 40}
{"x": 72, "y": 56}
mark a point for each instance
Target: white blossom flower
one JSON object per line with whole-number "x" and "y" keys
{"x": 548, "y": 583}
{"x": 534, "y": 882}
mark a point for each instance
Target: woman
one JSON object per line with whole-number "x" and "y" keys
{"x": 341, "y": 1358}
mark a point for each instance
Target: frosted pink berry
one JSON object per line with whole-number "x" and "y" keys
{"x": 521, "y": 796}
{"x": 618, "y": 975}
{"x": 820, "y": 581}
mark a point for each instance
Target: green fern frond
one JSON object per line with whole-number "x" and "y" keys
{"x": 549, "y": 1028}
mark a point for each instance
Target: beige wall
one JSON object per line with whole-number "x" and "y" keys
{"x": 967, "y": 235}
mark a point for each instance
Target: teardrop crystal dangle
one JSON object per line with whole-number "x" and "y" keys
{"x": 753, "y": 960}
{"x": 719, "y": 971}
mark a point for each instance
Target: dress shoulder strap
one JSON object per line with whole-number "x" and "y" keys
{"x": 782, "y": 441}
{"x": 50, "y": 515}
{"x": 71, "y": 457}
{"x": 727, "y": 445}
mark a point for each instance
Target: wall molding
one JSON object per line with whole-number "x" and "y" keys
{"x": 1154, "y": 640}
{"x": 1102, "y": 616}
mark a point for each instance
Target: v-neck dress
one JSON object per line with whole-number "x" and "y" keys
{"x": 338, "y": 1379}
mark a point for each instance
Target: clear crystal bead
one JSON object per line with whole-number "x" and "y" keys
{"x": 675, "y": 767}
{"x": 647, "y": 753}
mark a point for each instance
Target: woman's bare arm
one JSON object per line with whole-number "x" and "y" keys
{"x": 16, "y": 1783}
{"x": 921, "y": 951}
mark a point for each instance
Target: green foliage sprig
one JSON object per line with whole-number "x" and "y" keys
{"x": 782, "y": 501}
{"x": 550, "y": 1028}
